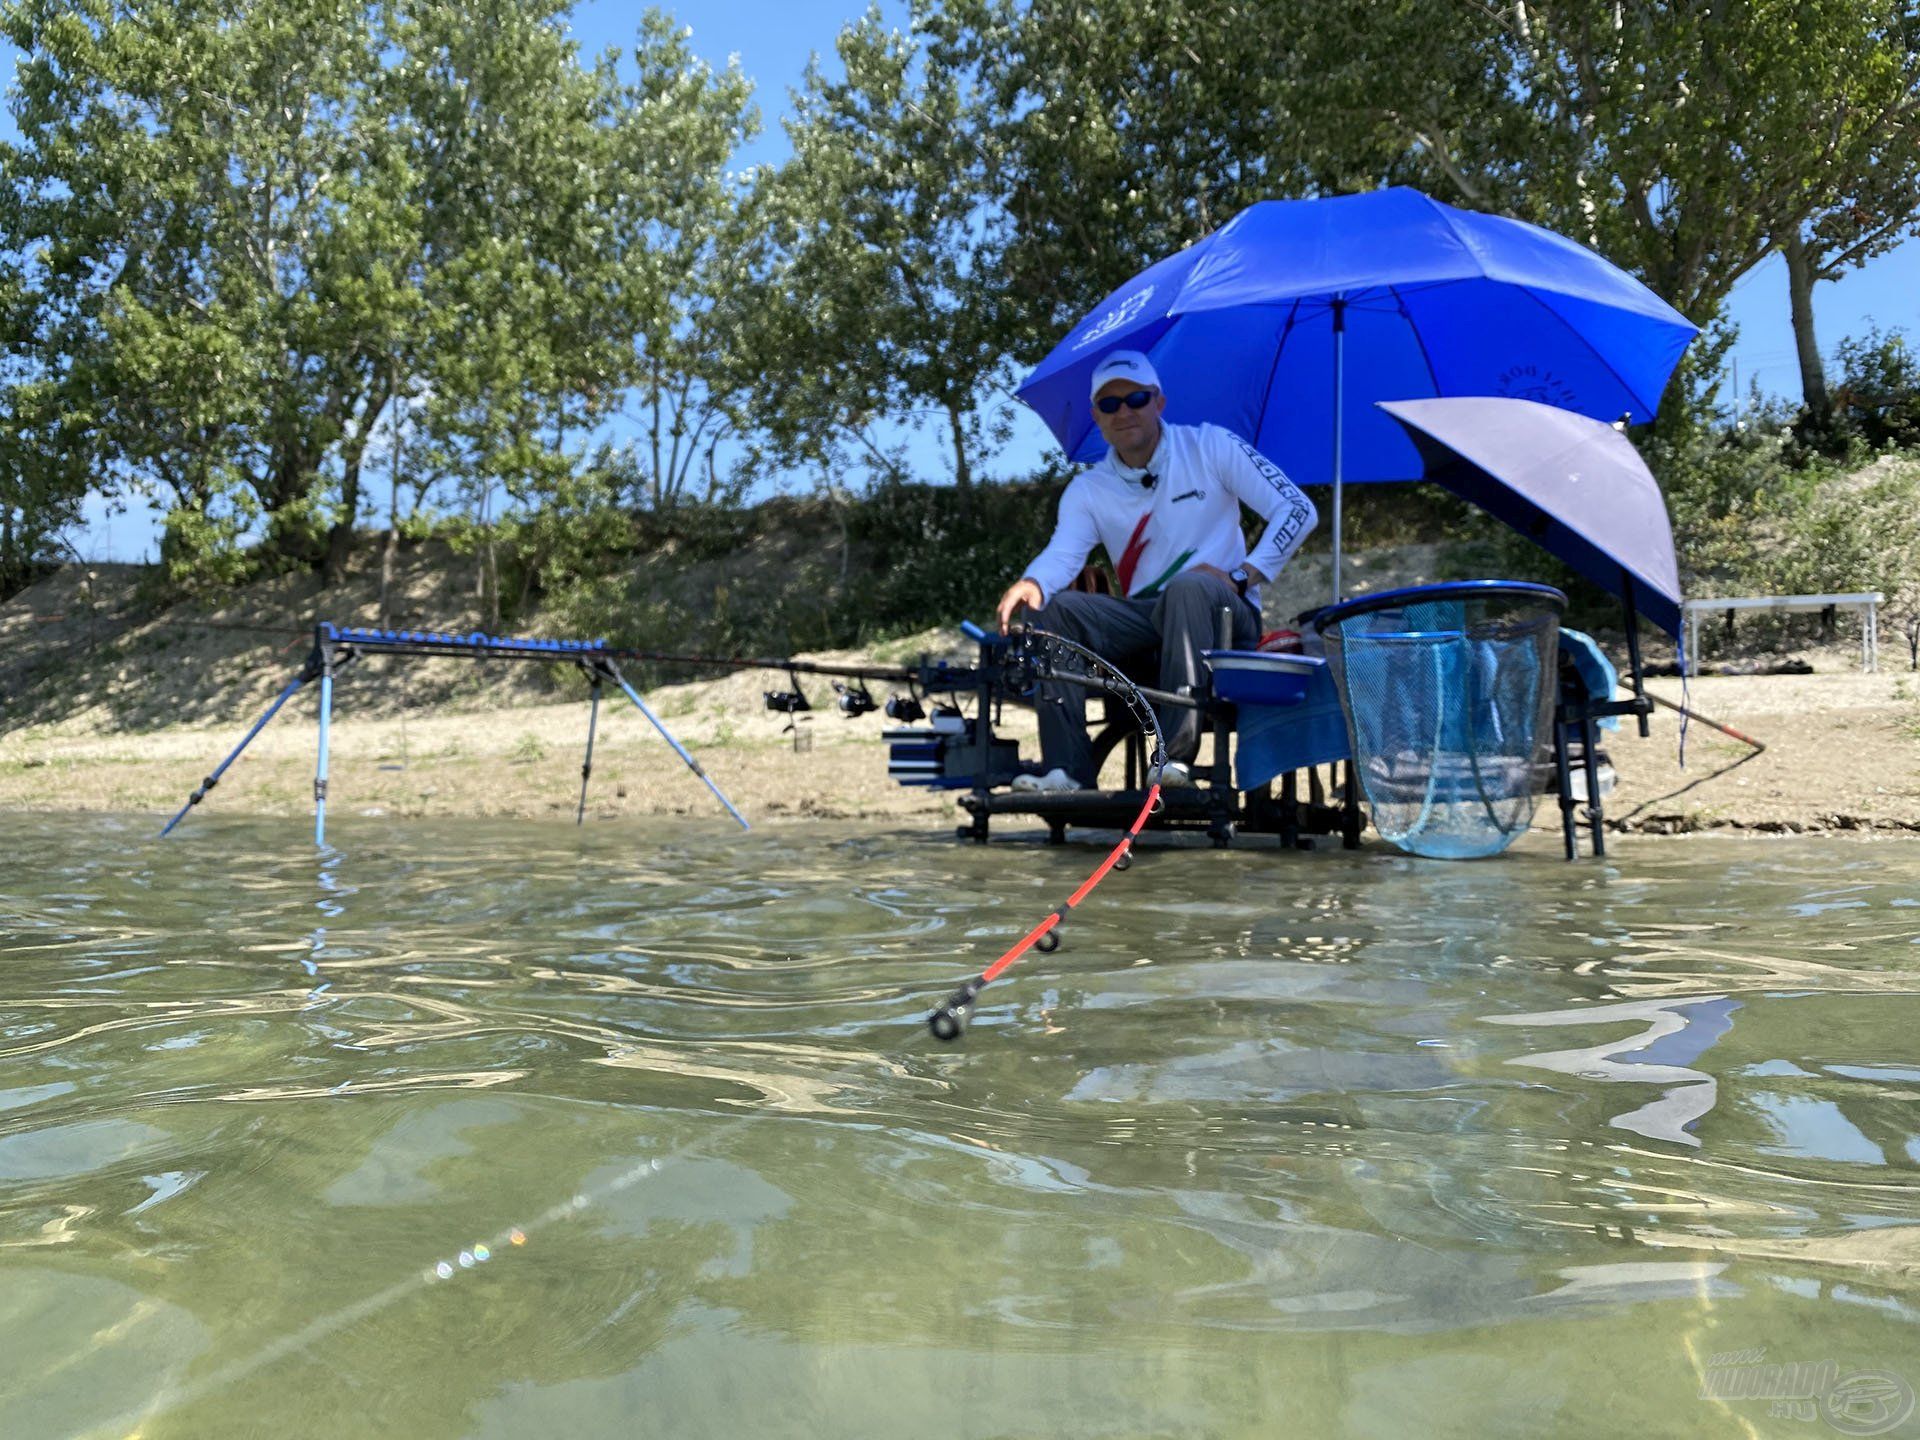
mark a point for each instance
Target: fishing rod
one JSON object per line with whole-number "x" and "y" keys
{"x": 1036, "y": 656}
{"x": 1709, "y": 722}
{"x": 899, "y": 674}
{"x": 1758, "y": 748}
{"x": 937, "y": 675}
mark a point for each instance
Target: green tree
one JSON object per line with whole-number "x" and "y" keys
{"x": 39, "y": 495}
{"x": 251, "y": 227}
{"x": 1685, "y": 142}
{"x": 1868, "y": 200}
{"x": 40, "y": 486}
{"x": 874, "y": 298}
{"x": 690, "y": 378}
{"x": 1878, "y": 399}
{"x": 196, "y": 193}
{"x": 1114, "y": 135}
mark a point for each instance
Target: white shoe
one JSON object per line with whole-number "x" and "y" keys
{"x": 1053, "y": 782}
{"x": 1174, "y": 775}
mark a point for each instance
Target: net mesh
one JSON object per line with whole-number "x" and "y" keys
{"x": 1448, "y": 694}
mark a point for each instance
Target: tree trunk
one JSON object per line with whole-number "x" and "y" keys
{"x": 352, "y": 455}
{"x": 962, "y": 471}
{"x": 388, "y": 552}
{"x": 391, "y": 549}
{"x": 340, "y": 535}
{"x": 1813, "y": 372}
{"x": 490, "y": 580}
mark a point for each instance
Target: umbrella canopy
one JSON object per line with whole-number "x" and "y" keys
{"x": 1574, "y": 486}
{"x": 1248, "y": 326}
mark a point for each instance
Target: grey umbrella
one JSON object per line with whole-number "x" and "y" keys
{"x": 1573, "y": 485}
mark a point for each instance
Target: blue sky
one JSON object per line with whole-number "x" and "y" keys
{"x": 773, "y": 40}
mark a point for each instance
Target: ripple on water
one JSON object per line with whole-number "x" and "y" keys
{"x": 1562, "y": 1123}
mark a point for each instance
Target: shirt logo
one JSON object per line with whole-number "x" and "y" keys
{"x": 1190, "y": 495}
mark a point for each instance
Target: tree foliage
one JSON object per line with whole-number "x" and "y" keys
{"x": 874, "y": 295}
{"x": 252, "y": 249}
{"x": 1685, "y": 142}
{"x": 1878, "y": 399}
{"x": 250, "y": 227}
{"x": 1115, "y": 135}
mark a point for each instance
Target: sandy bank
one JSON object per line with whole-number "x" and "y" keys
{"x": 1843, "y": 753}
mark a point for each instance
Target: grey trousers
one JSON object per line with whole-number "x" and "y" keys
{"x": 1178, "y": 623}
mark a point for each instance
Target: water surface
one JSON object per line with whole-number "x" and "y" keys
{"x": 504, "y": 1129}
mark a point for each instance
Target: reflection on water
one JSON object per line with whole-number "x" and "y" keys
{"x": 510, "y": 1130}
{"x": 1677, "y": 1031}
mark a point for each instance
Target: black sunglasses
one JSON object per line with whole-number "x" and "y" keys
{"x": 1110, "y": 404}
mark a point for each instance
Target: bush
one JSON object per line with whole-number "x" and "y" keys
{"x": 935, "y": 555}
{"x": 1878, "y": 397}
{"x": 203, "y": 553}
{"x": 1862, "y": 532}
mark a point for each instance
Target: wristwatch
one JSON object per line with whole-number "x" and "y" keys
{"x": 1240, "y": 578}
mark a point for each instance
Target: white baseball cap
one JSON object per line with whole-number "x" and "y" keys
{"x": 1124, "y": 365}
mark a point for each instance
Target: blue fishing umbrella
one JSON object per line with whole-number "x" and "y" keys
{"x": 1289, "y": 322}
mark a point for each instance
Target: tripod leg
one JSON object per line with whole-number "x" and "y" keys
{"x": 586, "y": 767}
{"x": 678, "y": 749}
{"x": 212, "y": 780}
{"x": 320, "y": 768}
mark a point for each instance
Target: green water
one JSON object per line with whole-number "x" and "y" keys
{"x": 1274, "y": 1145}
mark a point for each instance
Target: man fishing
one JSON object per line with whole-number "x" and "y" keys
{"x": 1165, "y": 503}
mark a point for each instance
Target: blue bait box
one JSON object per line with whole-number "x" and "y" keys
{"x": 1261, "y": 677}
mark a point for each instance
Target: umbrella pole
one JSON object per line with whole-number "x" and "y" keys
{"x": 1339, "y": 389}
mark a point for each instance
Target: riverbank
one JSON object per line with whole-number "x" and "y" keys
{"x": 1843, "y": 754}
{"x": 108, "y": 702}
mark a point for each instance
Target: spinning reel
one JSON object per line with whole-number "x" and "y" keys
{"x": 905, "y": 708}
{"x": 788, "y": 702}
{"x": 856, "y": 700}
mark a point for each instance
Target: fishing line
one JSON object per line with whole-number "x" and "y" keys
{"x": 1758, "y": 747}
{"x": 1036, "y": 657}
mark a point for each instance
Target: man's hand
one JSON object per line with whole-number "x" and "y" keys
{"x": 1022, "y": 592}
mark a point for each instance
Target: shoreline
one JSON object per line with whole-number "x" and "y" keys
{"x": 1843, "y": 756}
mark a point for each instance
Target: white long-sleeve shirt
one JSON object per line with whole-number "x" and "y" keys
{"x": 1188, "y": 515}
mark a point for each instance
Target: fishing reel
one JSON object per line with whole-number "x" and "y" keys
{"x": 856, "y": 700}
{"x": 1026, "y": 664}
{"x": 787, "y": 702}
{"x": 905, "y": 709}
{"x": 794, "y": 705}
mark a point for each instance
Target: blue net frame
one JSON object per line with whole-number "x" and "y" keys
{"x": 1448, "y": 692}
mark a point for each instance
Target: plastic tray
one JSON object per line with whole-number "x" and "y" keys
{"x": 1261, "y": 677}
